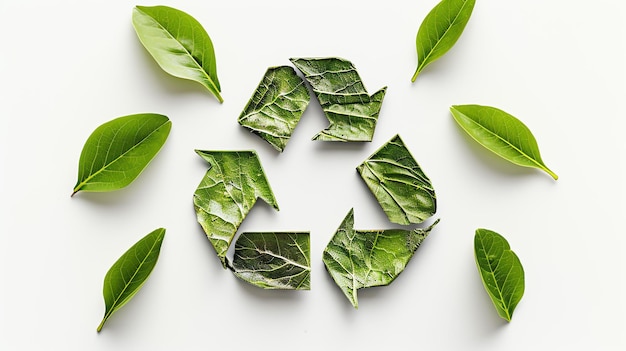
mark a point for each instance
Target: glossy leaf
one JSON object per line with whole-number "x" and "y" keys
{"x": 352, "y": 112}
{"x": 402, "y": 189}
{"x": 274, "y": 260}
{"x": 501, "y": 133}
{"x": 119, "y": 150}
{"x": 128, "y": 274}
{"x": 226, "y": 194}
{"x": 365, "y": 258}
{"x": 179, "y": 44}
{"x": 500, "y": 270}
{"x": 276, "y": 106}
{"x": 440, "y": 30}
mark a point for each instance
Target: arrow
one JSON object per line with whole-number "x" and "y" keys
{"x": 364, "y": 258}
{"x": 399, "y": 184}
{"x": 229, "y": 189}
{"x": 351, "y": 111}
{"x": 276, "y": 106}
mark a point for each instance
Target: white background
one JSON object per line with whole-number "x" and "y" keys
{"x": 69, "y": 66}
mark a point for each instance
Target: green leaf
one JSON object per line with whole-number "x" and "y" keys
{"x": 229, "y": 189}
{"x": 500, "y": 270}
{"x": 128, "y": 274}
{"x": 402, "y": 189}
{"x": 276, "y": 106}
{"x": 179, "y": 44}
{"x": 274, "y": 260}
{"x": 440, "y": 30}
{"x": 351, "y": 111}
{"x": 501, "y": 133}
{"x": 360, "y": 259}
{"x": 118, "y": 151}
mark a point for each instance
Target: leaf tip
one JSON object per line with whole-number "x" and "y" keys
{"x": 430, "y": 227}
{"x": 161, "y": 232}
{"x": 204, "y": 154}
{"x": 274, "y": 205}
{"x": 382, "y": 90}
{"x": 78, "y": 187}
{"x": 454, "y": 110}
{"x": 360, "y": 167}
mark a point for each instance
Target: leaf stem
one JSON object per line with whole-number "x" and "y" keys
{"x": 102, "y": 323}
{"x": 552, "y": 174}
{"x": 218, "y": 96}
{"x": 417, "y": 71}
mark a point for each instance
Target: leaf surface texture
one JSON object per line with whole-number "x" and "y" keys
{"x": 351, "y": 111}
{"x": 440, "y": 30}
{"x": 365, "y": 258}
{"x": 500, "y": 270}
{"x": 128, "y": 274}
{"x": 274, "y": 260}
{"x": 276, "y": 106}
{"x": 397, "y": 181}
{"x": 179, "y": 44}
{"x": 119, "y": 150}
{"x": 227, "y": 192}
{"x": 501, "y": 133}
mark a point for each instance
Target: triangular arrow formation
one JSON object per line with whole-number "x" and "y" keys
{"x": 235, "y": 180}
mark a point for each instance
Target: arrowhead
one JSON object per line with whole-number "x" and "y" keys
{"x": 357, "y": 259}
{"x": 337, "y": 259}
{"x": 228, "y": 191}
{"x": 352, "y": 122}
{"x": 351, "y": 111}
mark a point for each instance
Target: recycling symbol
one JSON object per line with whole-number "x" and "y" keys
{"x": 235, "y": 180}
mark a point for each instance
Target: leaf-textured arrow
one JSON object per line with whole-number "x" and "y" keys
{"x": 360, "y": 259}
{"x": 226, "y": 194}
{"x": 397, "y": 181}
{"x": 351, "y": 111}
{"x": 274, "y": 260}
{"x": 276, "y": 106}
